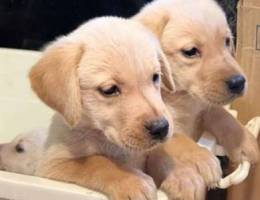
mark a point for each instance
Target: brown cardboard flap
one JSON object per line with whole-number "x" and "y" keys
{"x": 248, "y": 55}
{"x": 250, "y": 3}
{"x": 248, "y": 27}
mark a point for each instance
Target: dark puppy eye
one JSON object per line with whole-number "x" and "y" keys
{"x": 227, "y": 42}
{"x": 191, "y": 53}
{"x": 111, "y": 91}
{"x": 156, "y": 78}
{"x": 19, "y": 148}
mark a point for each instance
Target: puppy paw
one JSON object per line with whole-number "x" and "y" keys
{"x": 206, "y": 164}
{"x": 134, "y": 187}
{"x": 184, "y": 183}
{"x": 248, "y": 150}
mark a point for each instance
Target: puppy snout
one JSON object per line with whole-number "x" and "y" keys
{"x": 236, "y": 84}
{"x": 158, "y": 129}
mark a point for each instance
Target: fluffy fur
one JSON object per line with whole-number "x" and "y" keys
{"x": 97, "y": 140}
{"x": 182, "y": 25}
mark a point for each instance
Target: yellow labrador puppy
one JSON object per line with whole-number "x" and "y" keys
{"x": 22, "y": 154}
{"x": 197, "y": 40}
{"x": 104, "y": 81}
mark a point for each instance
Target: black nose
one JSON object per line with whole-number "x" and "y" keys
{"x": 158, "y": 129}
{"x": 236, "y": 84}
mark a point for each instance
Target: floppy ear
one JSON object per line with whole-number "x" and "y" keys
{"x": 167, "y": 77}
{"x": 153, "y": 19}
{"x": 54, "y": 79}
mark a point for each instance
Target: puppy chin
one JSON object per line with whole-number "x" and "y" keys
{"x": 132, "y": 144}
{"x": 144, "y": 144}
{"x": 137, "y": 147}
{"x": 213, "y": 97}
{"x": 218, "y": 95}
{"x": 217, "y": 99}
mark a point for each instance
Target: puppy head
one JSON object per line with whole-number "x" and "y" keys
{"x": 198, "y": 43}
{"x": 106, "y": 75}
{"x": 23, "y": 153}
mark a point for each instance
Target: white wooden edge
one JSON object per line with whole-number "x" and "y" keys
{"x": 22, "y": 187}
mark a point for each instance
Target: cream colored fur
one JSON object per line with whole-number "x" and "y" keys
{"x": 99, "y": 141}
{"x": 22, "y": 154}
{"x": 200, "y": 82}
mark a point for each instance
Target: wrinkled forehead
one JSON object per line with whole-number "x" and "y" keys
{"x": 123, "y": 61}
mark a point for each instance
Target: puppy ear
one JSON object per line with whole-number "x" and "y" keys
{"x": 153, "y": 19}
{"x": 167, "y": 77}
{"x": 54, "y": 79}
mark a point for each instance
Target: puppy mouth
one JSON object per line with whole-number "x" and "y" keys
{"x": 211, "y": 96}
{"x": 134, "y": 144}
{"x": 217, "y": 99}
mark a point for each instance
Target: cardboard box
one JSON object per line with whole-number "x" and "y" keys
{"x": 248, "y": 55}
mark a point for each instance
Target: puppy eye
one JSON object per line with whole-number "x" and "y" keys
{"x": 191, "y": 53}
{"x": 156, "y": 78}
{"x": 227, "y": 42}
{"x": 19, "y": 148}
{"x": 111, "y": 91}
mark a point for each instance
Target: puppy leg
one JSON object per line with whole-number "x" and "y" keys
{"x": 188, "y": 152}
{"x": 101, "y": 174}
{"x": 238, "y": 142}
{"x": 177, "y": 180}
